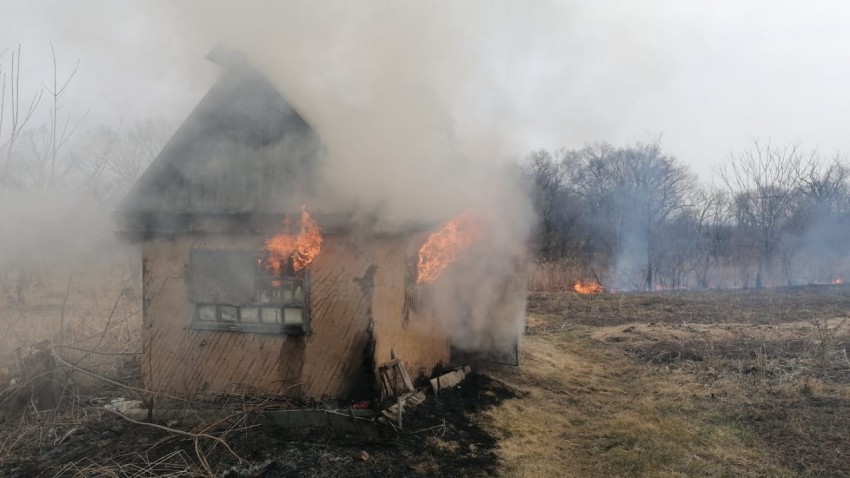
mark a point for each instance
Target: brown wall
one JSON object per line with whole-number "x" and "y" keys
{"x": 418, "y": 341}
{"x": 350, "y": 285}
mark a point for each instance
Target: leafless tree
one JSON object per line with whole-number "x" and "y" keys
{"x": 664, "y": 183}
{"x": 592, "y": 182}
{"x": 111, "y": 159}
{"x": 32, "y": 161}
{"x": 632, "y": 193}
{"x": 824, "y": 184}
{"x": 17, "y": 117}
{"x": 61, "y": 130}
{"x": 763, "y": 184}
{"x": 820, "y": 229}
{"x": 712, "y": 235}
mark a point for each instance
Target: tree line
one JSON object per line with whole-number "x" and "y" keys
{"x": 637, "y": 218}
{"x": 634, "y": 217}
{"x": 46, "y": 146}
{"x": 60, "y": 176}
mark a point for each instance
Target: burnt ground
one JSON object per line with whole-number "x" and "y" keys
{"x": 441, "y": 437}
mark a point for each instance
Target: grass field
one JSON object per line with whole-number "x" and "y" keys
{"x": 715, "y": 383}
{"x": 720, "y": 383}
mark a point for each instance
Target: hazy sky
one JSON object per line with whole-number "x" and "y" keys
{"x": 708, "y": 75}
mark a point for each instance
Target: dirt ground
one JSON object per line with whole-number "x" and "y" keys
{"x": 716, "y": 383}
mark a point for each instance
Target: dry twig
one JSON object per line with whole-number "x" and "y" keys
{"x": 194, "y": 436}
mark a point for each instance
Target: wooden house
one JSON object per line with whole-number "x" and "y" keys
{"x": 217, "y": 319}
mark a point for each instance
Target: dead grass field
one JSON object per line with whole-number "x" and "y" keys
{"x": 91, "y": 314}
{"x": 719, "y": 383}
{"x": 715, "y": 383}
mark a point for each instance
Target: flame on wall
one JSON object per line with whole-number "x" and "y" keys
{"x": 443, "y": 247}
{"x": 300, "y": 248}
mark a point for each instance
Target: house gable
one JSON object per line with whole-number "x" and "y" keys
{"x": 243, "y": 150}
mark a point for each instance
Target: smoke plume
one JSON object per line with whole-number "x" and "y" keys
{"x": 421, "y": 107}
{"x": 406, "y": 100}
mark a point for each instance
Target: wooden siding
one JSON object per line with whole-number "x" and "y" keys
{"x": 181, "y": 361}
{"x": 356, "y": 295}
{"x": 418, "y": 340}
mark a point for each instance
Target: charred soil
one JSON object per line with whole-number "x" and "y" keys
{"x": 441, "y": 437}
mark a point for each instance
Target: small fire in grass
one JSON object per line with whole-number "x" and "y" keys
{"x": 587, "y": 287}
{"x": 443, "y": 247}
{"x": 837, "y": 281}
{"x": 300, "y": 248}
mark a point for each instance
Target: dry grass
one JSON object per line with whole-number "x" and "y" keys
{"x": 90, "y": 315}
{"x": 590, "y": 411}
{"x": 733, "y": 383}
{"x": 558, "y": 276}
{"x": 717, "y": 383}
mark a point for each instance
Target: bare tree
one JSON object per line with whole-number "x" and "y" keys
{"x": 18, "y": 118}
{"x": 632, "y": 194}
{"x": 592, "y": 182}
{"x": 111, "y": 159}
{"x": 824, "y": 184}
{"x": 546, "y": 177}
{"x": 60, "y": 130}
{"x": 658, "y": 193}
{"x": 763, "y": 184}
{"x": 31, "y": 160}
{"x": 712, "y": 234}
{"x": 820, "y": 229}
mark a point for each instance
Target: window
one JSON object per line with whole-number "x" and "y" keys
{"x": 231, "y": 290}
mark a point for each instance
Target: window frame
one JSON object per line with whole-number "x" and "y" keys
{"x": 263, "y": 283}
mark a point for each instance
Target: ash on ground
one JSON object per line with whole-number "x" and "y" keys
{"x": 441, "y": 437}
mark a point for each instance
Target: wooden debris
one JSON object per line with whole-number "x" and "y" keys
{"x": 394, "y": 379}
{"x": 399, "y": 413}
{"x": 411, "y": 399}
{"x": 450, "y": 379}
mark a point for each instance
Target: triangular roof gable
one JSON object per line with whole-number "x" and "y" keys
{"x": 243, "y": 149}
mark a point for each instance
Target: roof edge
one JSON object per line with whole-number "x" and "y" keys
{"x": 227, "y": 57}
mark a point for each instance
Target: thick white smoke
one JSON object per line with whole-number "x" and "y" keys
{"x": 400, "y": 95}
{"x": 422, "y": 106}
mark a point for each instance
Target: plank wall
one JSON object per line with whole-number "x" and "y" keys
{"x": 356, "y": 295}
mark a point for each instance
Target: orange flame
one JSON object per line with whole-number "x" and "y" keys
{"x": 838, "y": 281}
{"x": 587, "y": 287}
{"x": 302, "y": 248}
{"x": 443, "y": 247}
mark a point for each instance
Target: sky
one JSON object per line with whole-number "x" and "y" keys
{"x": 708, "y": 76}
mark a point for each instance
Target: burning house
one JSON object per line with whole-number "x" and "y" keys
{"x": 246, "y": 289}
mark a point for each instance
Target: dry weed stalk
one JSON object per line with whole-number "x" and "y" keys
{"x": 40, "y": 428}
{"x": 194, "y": 436}
{"x": 174, "y": 464}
